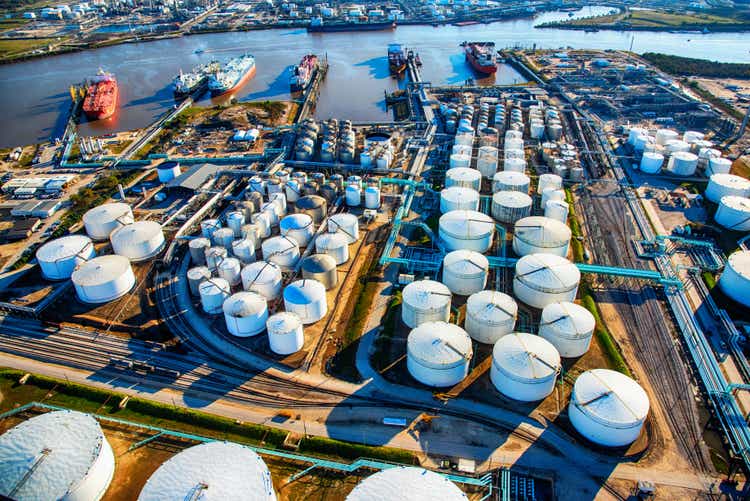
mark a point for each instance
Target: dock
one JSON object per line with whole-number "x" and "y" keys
{"x": 310, "y": 95}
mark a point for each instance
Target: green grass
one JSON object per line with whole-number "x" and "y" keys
{"x": 602, "y": 334}
{"x": 13, "y": 23}
{"x": 575, "y": 228}
{"x": 709, "y": 278}
{"x": 655, "y": 19}
{"x": 10, "y": 48}
{"x": 715, "y": 101}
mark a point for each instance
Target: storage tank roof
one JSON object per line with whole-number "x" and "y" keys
{"x": 331, "y": 240}
{"x": 136, "y": 233}
{"x": 344, "y": 219}
{"x": 511, "y": 177}
{"x": 296, "y": 222}
{"x": 304, "y": 291}
{"x": 684, "y": 155}
{"x": 610, "y": 398}
{"x": 439, "y": 345}
{"x": 406, "y": 483}
{"x": 459, "y": 193}
{"x": 217, "y": 471}
{"x": 542, "y": 229}
{"x": 244, "y": 304}
{"x": 466, "y": 222}
{"x": 512, "y": 199}
{"x": 526, "y": 357}
{"x": 62, "y": 248}
{"x": 214, "y": 286}
{"x": 318, "y": 263}
{"x": 426, "y": 294}
{"x": 491, "y": 307}
{"x": 74, "y": 441}
{"x": 283, "y": 322}
{"x": 736, "y": 182}
{"x": 466, "y": 262}
{"x": 548, "y": 269}
{"x": 736, "y": 202}
{"x": 261, "y": 272}
{"x": 106, "y": 212}
{"x": 310, "y": 202}
{"x": 568, "y": 317}
{"x": 463, "y": 174}
{"x": 740, "y": 262}
{"x": 100, "y": 270}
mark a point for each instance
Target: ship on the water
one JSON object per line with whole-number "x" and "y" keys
{"x": 232, "y": 75}
{"x": 481, "y": 56}
{"x": 302, "y": 73}
{"x": 101, "y": 96}
{"x": 193, "y": 82}
{"x": 317, "y": 25}
{"x": 396, "y": 59}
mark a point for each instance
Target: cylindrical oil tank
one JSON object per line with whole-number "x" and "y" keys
{"x": 229, "y": 270}
{"x": 524, "y": 366}
{"x": 213, "y": 292}
{"x": 510, "y": 206}
{"x": 197, "y": 247}
{"x": 298, "y": 227}
{"x": 557, "y": 210}
{"x": 663, "y": 136}
{"x": 438, "y": 354}
{"x": 244, "y": 250}
{"x": 608, "y": 407}
{"x": 103, "y": 279}
{"x": 208, "y": 227}
{"x": 355, "y": 180}
{"x": 458, "y": 198}
{"x": 320, "y": 267}
{"x": 537, "y": 234}
{"x": 223, "y": 237}
{"x": 677, "y": 145}
{"x": 235, "y": 220}
{"x": 461, "y": 149}
{"x": 569, "y": 327}
{"x": 282, "y": 251}
{"x": 335, "y": 245}
{"x": 59, "y": 257}
{"x": 138, "y": 241}
{"x": 719, "y": 165}
{"x": 425, "y": 301}
{"x": 721, "y": 185}
{"x": 245, "y": 313}
{"x": 490, "y": 315}
{"x": 258, "y": 185}
{"x": 195, "y": 277}
{"x": 345, "y": 223}
{"x": 514, "y": 164}
{"x": 262, "y": 277}
{"x": 307, "y": 299}
{"x": 285, "y": 333}
{"x": 552, "y": 194}
{"x": 549, "y": 181}
{"x": 314, "y": 206}
{"x": 252, "y": 232}
{"x": 651, "y": 162}
{"x": 459, "y": 160}
{"x": 406, "y": 483}
{"x": 735, "y": 279}
{"x": 510, "y": 181}
{"x": 487, "y": 161}
{"x": 255, "y": 198}
{"x": 465, "y": 229}
{"x": 263, "y": 221}
{"x": 682, "y": 163}
{"x": 273, "y": 186}
{"x": 293, "y": 190}
{"x": 353, "y": 195}
{"x": 734, "y": 213}
{"x": 102, "y": 220}
{"x": 274, "y": 212}
{"x": 214, "y": 257}
{"x": 372, "y": 197}
{"x": 542, "y": 279}
{"x": 463, "y": 176}
{"x": 465, "y": 272}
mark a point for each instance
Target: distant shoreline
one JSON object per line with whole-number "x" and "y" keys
{"x": 696, "y": 29}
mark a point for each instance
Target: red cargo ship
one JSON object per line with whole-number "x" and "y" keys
{"x": 101, "y": 97}
{"x": 481, "y": 56}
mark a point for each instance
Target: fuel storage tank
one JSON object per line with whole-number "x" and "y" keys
{"x": 406, "y": 483}
{"x": 490, "y": 315}
{"x": 103, "y": 279}
{"x": 138, "y": 241}
{"x": 458, "y": 198}
{"x": 345, "y": 223}
{"x": 524, "y": 366}
{"x": 59, "y": 257}
{"x": 285, "y": 333}
{"x": 465, "y": 271}
{"x": 734, "y": 213}
{"x": 102, "y": 220}
{"x": 425, "y": 301}
{"x": 721, "y": 185}
{"x": 262, "y": 277}
{"x": 542, "y": 279}
{"x": 438, "y": 353}
{"x": 245, "y": 313}
{"x": 213, "y": 292}
{"x": 298, "y": 227}
{"x": 537, "y": 234}
{"x": 465, "y": 229}
{"x": 735, "y": 280}
{"x": 335, "y": 245}
{"x": 307, "y": 299}
{"x": 320, "y": 267}
{"x": 569, "y": 327}
{"x": 510, "y": 206}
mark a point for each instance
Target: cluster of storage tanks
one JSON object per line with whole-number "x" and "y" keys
{"x": 337, "y": 143}
{"x": 100, "y": 279}
{"x": 291, "y": 236}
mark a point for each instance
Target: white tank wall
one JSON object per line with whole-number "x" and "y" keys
{"x": 244, "y": 250}
{"x": 285, "y": 333}
{"x": 569, "y": 327}
{"x": 433, "y": 368}
{"x": 721, "y": 185}
{"x": 335, "y": 245}
{"x": 552, "y": 236}
{"x": 463, "y": 176}
{"x": 510, "y": 181}
{"x": 298, "y": 227}
{"x": 346, "y": 223}
{"x": 58, "y": 258}
{"x": 138, "y": 241}
{"x": 470, "y": 230}
{"x": 195, "y": 277}
{"x": 353, "y": 195}
{"x": 510, "y": 206}
{"x": 95, "y": 483}
{"x": 734, "y": 213}
{"x": 735, "y": 280}
{"x": 525, "y": 377}
{"x": 115, "y": 281}
{"x": 557, "y": 280}
{"x": 245, "y": 314}
{"x": 262, "y": 277}
{"x": 425, "y": 301}
{"x": 197, "y": 247}
{"x": 229, "y": 270}
{"x": 307, "y": 299}
{"x": 682, "y": 163}
{"x": 465, "y": 272}
{"x": 557, "y": 210}
{"x": 490, "y": 315}
{"x": 458, "y": 198}
{"x": 281, "y": 251}
{"x": 213, "y": 293}
{"x": 102, "y": 220}
{"x": 651, "y": 162}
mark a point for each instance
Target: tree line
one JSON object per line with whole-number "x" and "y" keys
{"x": 677, "y": 65}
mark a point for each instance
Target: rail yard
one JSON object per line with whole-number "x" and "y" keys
{"x": 534, "y": 291}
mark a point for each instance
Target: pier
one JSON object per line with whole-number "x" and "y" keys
{"x": 310, "y": 95}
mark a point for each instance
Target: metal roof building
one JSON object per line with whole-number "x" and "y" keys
{"x": 194, "y": 177}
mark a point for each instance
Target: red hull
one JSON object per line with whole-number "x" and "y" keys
{"x": 100, "y": 102}
{"x": 487, "y": 70}
{"x": 250, "y": 74}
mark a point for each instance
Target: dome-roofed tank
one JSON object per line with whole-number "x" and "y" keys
{"x": 569, "y": 327}
{"x": 490, "y": 315}
{"x": 735, "y": 280}
{"x": 406, "y": 483}
{"x": 320, "y": 267}
{"x": 335, "y": 245}
{"x": 510, "y": 181}
{"x": 285, "y": 333}
{"x": 195, "y": 277}
{"x": 438, "y": 353}
{"x": 213, "y": 292}
{"x": 138, "y": 241}
{"x": 263, "y": 221}
{"x": 214, "y": 257}
{"x": 244, "y": 250}
{"x": 557, "y": 210}
{"x": 682, "y": 163}
{"x": 312, "y": 205}
{"x": 229, "y": 270}
{"x": 549, "y": 181}
{"x": 651, "y": 162}
{"x": 102, "y": 220}
{"x": 425, "y": 301}
{"x": 56, "y": 455}
{"x": 262, "y": 277}
{"x": 59, "y": 257}
{"x": 542, "y": 279}
{"x": 346, "y": 223}
{"x": 306, "y": 298}
{"x": 510, "y": 206}
{"x": 197, "y": 247}
{"x": 734, "y": 213}
{"x": 537, "y": 234}
{"x": 298, "y": 227}
{"x": 458, "y": 198}
{"x": 282, "y": 251}
{"x": 245, "y": 313}
{"x": 524, "y": 366}
{"x": 721, "y": 185}
{"x": 465, "y": 229}
{"x": 463, "y": 176}
{"x": 608, "y": 407}
{"x": 465, "y": 272}
{"x": 223, "y": 237}
{"x": 213, "y": 471}
{"x": 103, "y": 279}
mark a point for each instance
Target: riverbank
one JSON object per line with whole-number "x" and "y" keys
{"x": 653, "y": 20}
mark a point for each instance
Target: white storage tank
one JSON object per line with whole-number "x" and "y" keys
{"x": 557, "y": 210}
{"x": 372, "y": 197}
{"x": 510, "y": 181}
{"x": 549, "y": 181}
{"x": 465, "y": 272}
{"x": 438, "y": 354}
{"x": 282, "y": 251}
{"x": 682, "y": 163}
{"x": 229, "y": 270}
{"x": 244, "y": 250}
{"x": 487, "y": 161}
{"x": 651, "y": 162}
{"x": 274, "y": 213}
{"x": 542, "y": 279}
{"x": 138, "y": 241}
{"x": 57, "y": 455}
{"x": 102, "y": 220}
{"x": 458, "y": 198}
{"x": 263, "y": 278}
{"x": 307, "y": 299}
{"x": 608, "y": 407}
{"x": 676, "y": 146}
{"x": 298, "y": 227}
{"x": 425, "y": 301}
{"x": 353, "y": 194}
{"x": 214, "y": 257}
{"x": 514, "y": 164}
{"x": 320, "y": 267}
{"x": 734, "y": 213}
{"x": 466, "y": 229}
{"x": 719, "y": 165}
{"x": 213, "y": 292}
{"x": 510, "y": 206}
{"x": 663, "y": 136}
{"x": 457, "y": 160}
{"x": 103, "y": 279}
{"x": 245, "y": 313}
{"x": 721, "y": 185}
{"x": 208, "y": 227}
{"x": 735, "y": 280}
{"x": 541, "y": 234}
{"x": 569, "y": 327}
{"x": 345, "y": 223}
{"x": 213, "y": 470}
{"x": 463, "y": 176}
{"x": 197, "y": 248}
{"x": 223, "y": 237}
{"x": 195, "y": 277}
{"x": 524, "y": 366}
{"x": 313, "y": 205}
{"x": 292, "y": 190}
{"x": 285, "y": 333}
{"x": 235, "y": 220}
{"x": 335, "y": 245}
{"x": 59, "y": 257}
{"x": 490, "y": 315}
{"x": 406, "y": 483}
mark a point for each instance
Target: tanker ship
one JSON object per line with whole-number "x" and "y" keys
{"x": 318, "y": 26}
{"x": 193, "y": 82}
{"x": 101, "y": 96}
{"x": 232, "y": 75}
{"x": 481, "y": 56}
{"x": 396, "y": 59}
{"x": 302, "y": 73}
